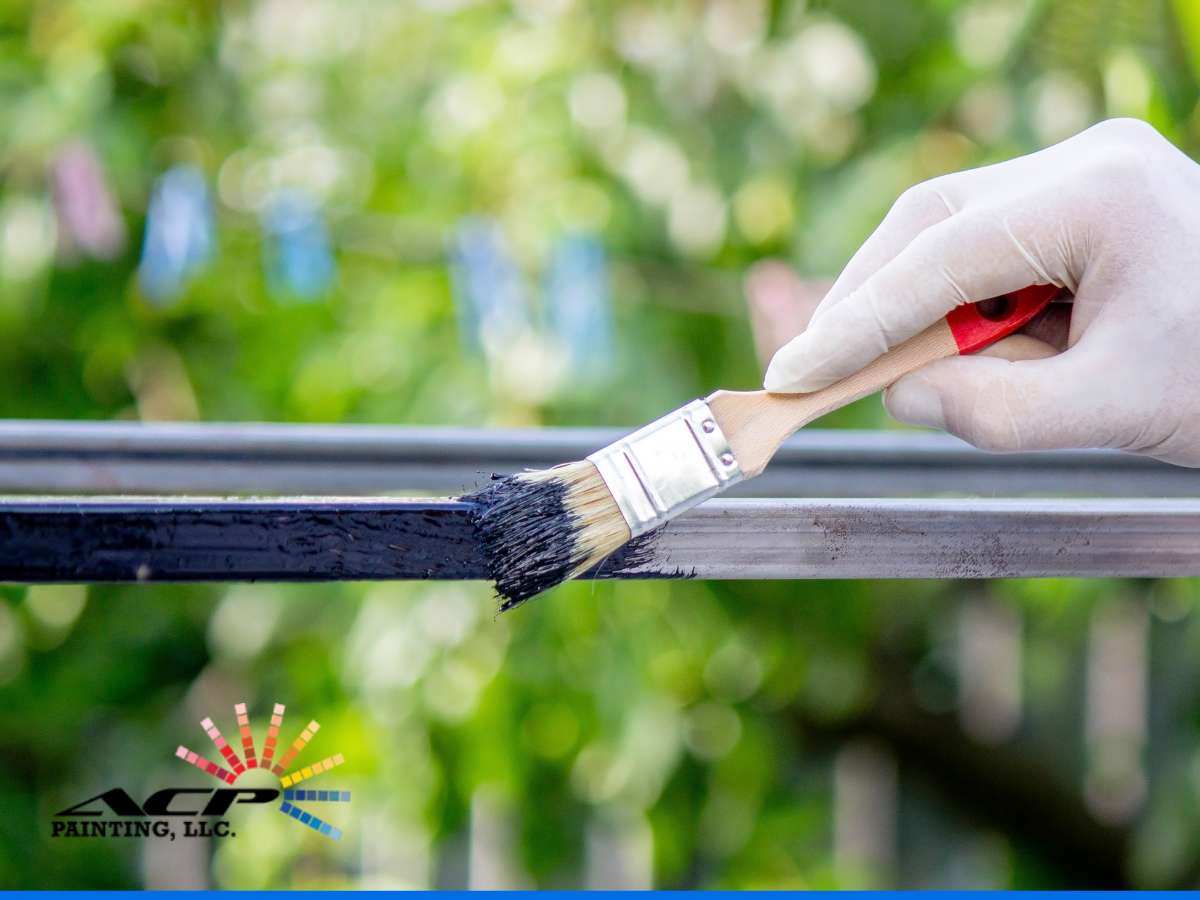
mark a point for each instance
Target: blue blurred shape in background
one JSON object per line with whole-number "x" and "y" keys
{"x": 489, "y": 291}
{"x": 296, "y": 252}
{"x": 179, "y": 233}
{"x": 579, "y": 305}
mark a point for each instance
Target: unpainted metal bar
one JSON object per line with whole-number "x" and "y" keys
{"x": 155, "y": 458}
{"x": 186, "y": 539}
{"x": 992, "y": 538}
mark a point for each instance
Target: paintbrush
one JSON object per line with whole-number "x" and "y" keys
{"x": 540, "y": 528}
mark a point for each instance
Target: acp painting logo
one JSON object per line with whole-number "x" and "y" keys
{"x": 155, "y": 814}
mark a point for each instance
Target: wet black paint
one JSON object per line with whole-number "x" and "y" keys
{"x": 179, "y": 539}
{"x": 529, "y": 535}
{"x": 237, "y": 540}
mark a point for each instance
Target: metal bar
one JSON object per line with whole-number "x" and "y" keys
{"x": 115, "y": 540}
{"x": 793, "y": 539}
{"x": 186, "y": 539}
{"x": 124, "y": 457}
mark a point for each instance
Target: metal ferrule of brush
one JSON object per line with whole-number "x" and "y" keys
{"x": 668, "y": 466}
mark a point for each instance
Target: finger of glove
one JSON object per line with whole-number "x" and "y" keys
{"x": 998, "y": 404}
{"x": 971, "y": 256}
{"x": 915, "y": 210}
{"x": 925, "y": 204}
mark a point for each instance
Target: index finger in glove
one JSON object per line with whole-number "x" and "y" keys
{"x": 979, "y": 253}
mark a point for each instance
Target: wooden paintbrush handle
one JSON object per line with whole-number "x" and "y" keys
{"x": 756, "y": 422}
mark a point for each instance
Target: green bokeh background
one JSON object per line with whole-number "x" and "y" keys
{"x": 691, "y": 730}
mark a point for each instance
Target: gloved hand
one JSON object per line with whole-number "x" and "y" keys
{"x": 1113, "y": 216}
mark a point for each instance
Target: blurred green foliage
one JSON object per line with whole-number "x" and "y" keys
{"x": 696, "y": 722}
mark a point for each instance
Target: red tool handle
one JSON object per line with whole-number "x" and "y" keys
{"x": 978, "y": 325}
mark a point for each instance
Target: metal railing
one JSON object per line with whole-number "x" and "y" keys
{"x": 1108, "y": 514}
{"x": 187, "y": 539}
{"x": 119, "y": 457}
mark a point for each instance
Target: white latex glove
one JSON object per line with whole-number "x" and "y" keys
{"x": 1112, "y": 215}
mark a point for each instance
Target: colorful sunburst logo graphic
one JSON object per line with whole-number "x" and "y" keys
{"x": 287, "y": 780}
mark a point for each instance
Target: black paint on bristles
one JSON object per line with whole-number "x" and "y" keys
{"x": 539, "y": 529}
{"x": 528, "y": 536}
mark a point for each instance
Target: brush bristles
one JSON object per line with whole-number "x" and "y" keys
{"x": 542, "y": 528}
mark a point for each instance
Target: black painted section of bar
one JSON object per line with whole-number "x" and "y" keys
{"x": 236, "y": 540}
